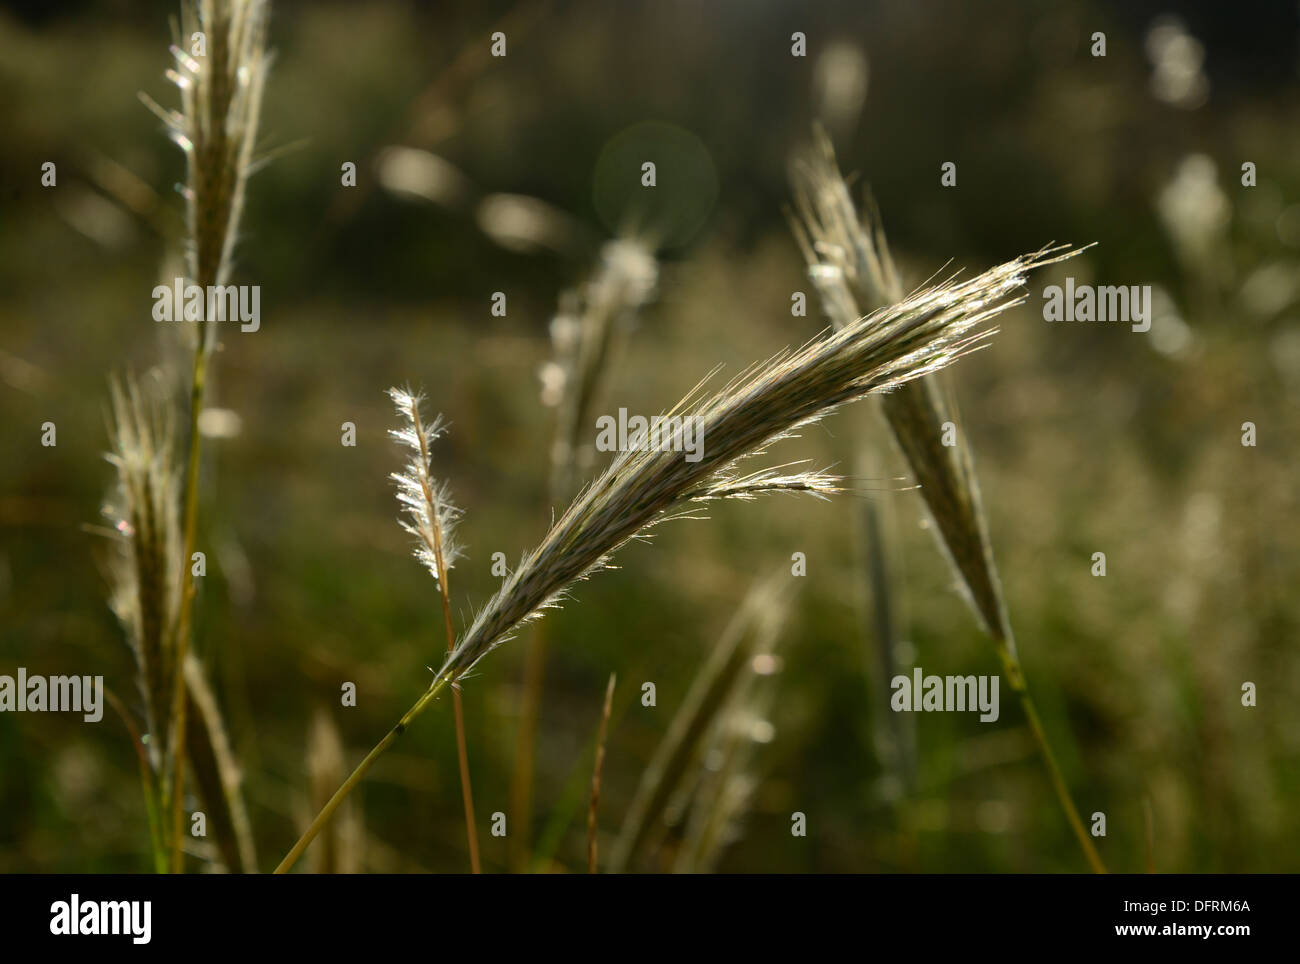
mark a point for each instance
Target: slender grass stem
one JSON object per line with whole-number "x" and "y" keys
{"x": 462, "y": 753}
{"x": 521, "y": 782}
{"x": 1016, "y": 677}
{"x": 157, "y": 846}
{"x": 186, "y": 605}
{"x": 440, "y": 563}
{"x": 596, "y": 772}
{"x": 351, "y": 783}
{"x": 467, "y": 793}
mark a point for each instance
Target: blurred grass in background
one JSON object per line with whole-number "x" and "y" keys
{"x": 1087, "y": 438}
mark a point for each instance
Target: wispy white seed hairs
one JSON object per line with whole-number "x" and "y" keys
{"x": 432, "y": 518}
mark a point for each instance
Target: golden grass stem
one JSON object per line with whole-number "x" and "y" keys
{"x": 351, "y": 783}
{"x": 597, "y": 769}
{"x": 471, "y": 829}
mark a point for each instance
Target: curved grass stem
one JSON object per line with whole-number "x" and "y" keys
{"x": 1016, "y": 677}
{"x": 351, "y": 783}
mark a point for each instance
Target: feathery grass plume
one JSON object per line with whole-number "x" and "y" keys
{"x": 588, "y": 334}
{"x": 642, "y": 488}
{"x": 221, "y": 86}
{"x": 426, "y": 502}
{"x": 755, "y": 621}
{"x": 850, "y": 264}
{"x": 725, "y": 781}
{"x": 340, "y": 849}
{"x": 432, "y": 519}
{"x": 596, "y": 771}
{"x": 217, "y": 774}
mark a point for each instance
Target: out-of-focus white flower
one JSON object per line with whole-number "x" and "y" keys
{"x": 1177, "y": 59}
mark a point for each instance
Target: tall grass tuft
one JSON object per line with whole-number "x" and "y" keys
{"x": 850, "y": 265}
{"x": 642, "y": 488}
{"x": 144, "y": 581}
{"x": 220, "y": 78}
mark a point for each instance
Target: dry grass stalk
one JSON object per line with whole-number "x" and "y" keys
{"x": 849, "y": 262}
{"x": 144, "y": 594}
{"x": 851, "y": 267}
{"x": 432, "y": 520}
{"x": 217, "y": 774}
{"x": 596, "y": 771}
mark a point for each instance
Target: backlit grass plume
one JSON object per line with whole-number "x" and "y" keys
{"x": 643, "y": 487}
{"x": 431, "y": 516}
{"x": 850, "y": 265}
